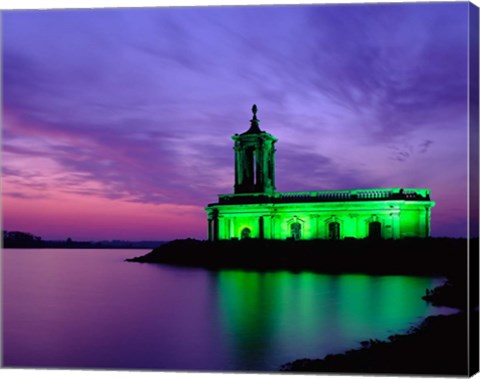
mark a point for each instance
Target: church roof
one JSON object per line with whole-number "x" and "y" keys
{"x": 356, "y": 195}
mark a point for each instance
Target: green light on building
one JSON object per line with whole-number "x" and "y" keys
{"x": 256, "y": 210}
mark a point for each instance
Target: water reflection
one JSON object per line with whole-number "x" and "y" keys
{"x": 90, "y": 309}
{"x": 279, "y": 317}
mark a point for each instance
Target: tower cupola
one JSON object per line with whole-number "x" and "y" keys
{"x": 254, "y": 159}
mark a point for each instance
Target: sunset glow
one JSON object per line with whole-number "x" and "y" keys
{"x": 117, "y": 122}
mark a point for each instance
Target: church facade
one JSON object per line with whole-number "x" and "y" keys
{"x": 257, "y": 210}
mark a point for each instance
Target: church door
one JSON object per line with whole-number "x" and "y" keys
{"x": 375, "y": 230}
{"x": 296, "y": 230}
{"x": 334, "y": 231}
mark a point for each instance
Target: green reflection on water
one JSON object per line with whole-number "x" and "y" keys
{"x": 245, "y": 307}
{"x": 395, "y": 295}
{"x": 281, "y": 316}
{"x": 356, "y": 304}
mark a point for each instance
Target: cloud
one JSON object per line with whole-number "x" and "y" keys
{"x": 403, "y": 151}
{"x": 424, "y": 146}
{"x": 401, "y": 66}
{"x": 139, "y": 105}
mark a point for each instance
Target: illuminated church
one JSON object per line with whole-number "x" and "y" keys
{"x": 257, "y": 210}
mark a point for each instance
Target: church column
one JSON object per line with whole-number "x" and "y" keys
{"x": 231, "y": 233}
{"x": 214, "y": 225}
{"x": 267, "y": 227}
{"x": 210, "y": 229}
{"x": 215, "y": 229}
{"x": 421, "y": 223}
{"x": 244, "y": 167}
{"x": 265, "y": 167}
{"x": 349, "y": 225}
{"x": 259, "y": 171}
{"x": 273, "y": 232}
{"x": 314, "y": 226}
{"x": 427, "y": 221}
{"x": 237, "y": 166}
{"x": 222, "y": 228}
{"x": 248, "y": 167}
{"x": 272, "y": 166}
{"x": 395, "y": 225}
{"x": 261, "y": 229}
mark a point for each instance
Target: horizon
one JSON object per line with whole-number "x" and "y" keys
{"x": 198, "y": 239}
{"x": 127, "y": 114}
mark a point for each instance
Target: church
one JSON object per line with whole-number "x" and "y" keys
{"x": 256, "y": 210}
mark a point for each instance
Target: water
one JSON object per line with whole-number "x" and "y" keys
{"x": 90, "y": 309}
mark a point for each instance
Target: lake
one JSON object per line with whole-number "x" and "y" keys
{"x": 90, "y": 309}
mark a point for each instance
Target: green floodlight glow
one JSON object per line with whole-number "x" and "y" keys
{"x": 256, "y": 210}
{"x": 282, "y": 308}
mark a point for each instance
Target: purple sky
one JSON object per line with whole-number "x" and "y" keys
{"x": 117, "y": 122}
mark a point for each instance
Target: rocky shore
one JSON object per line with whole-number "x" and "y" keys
{"x": 440, "y": 345}
{"x": 437, "y": 347}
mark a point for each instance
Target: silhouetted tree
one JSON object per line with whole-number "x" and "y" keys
{"x": 20, "y": 239}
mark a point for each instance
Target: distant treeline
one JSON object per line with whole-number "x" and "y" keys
{"x": 16, "y": 239}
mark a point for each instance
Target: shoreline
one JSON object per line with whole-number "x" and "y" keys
{"x": 438, "y": 346}
{"x": 443, "y": 257}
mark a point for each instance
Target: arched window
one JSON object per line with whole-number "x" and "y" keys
{"x": 334, "y": 231}
{"x": 296, "y": 230}
{"x": 245, "y": 233}
{"x": 375, "y": 230}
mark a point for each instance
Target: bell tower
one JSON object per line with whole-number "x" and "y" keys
{"x": 254, "y": 159}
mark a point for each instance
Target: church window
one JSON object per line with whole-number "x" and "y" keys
{"x": 245, "y": 233}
